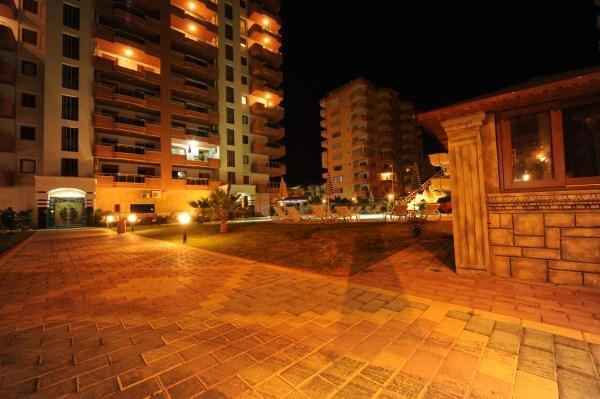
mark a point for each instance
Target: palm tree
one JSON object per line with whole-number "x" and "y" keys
{"x": 222, "y": 203}
{"x": 204, "y": 206}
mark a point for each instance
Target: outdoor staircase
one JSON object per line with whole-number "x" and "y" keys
{"x": 410, "y": 196}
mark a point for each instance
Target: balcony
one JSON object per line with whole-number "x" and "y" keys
{"x": 193, "y": 90}
{"x": 265, "y": 37}
{"x": 195, "y": 29}
{"x": 7, "y": 107}
{"x": 262, "y": 128}
{"x": 7, "y": 71}
{"x": 195, "y": 162}
{"x": 195, "y": 134}
{"x": 270, "y": 92}
{"x": 124, "y": 12}
{"x": 119, "y": 124}
{"x": 360, "y": 180}
{"x": 194, "y": 113}
{"x": 8, "y": 9}
{"x": 141, "y": 77}
{"x": 273, "y": 150}
{"x": 362, "y": 142}
{"x": 360, "y": 168}
{"x": 202, "y": 10}
{"x": 114, "y": 35}
{"x": 193, "y": 67}
{"x": 199, "y": 48}
{"x": 357, "y": 155}
{"x": 263, "y": 71}
{"x": 126, "y": 98}
{"x": 7, "y": 39}
{"x": 270, "y": 188}
{"x": 258, "y": 52}
{"x": 195, "y": 183}
{"x": 274, "y": 114}
{"x": 125, "y": 180}
{"x": 273, "y": 169}
{"x": 126, "y": 152}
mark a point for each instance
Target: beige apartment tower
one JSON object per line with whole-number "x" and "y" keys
{"x": 138, "y": 105}
{"x": 371, "y": 141}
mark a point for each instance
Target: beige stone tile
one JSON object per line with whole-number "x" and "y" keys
{"x": 529, "y": 386}
{"x": 499, "y": 364}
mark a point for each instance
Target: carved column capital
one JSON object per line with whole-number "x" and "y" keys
{"x": 464, "y": 128}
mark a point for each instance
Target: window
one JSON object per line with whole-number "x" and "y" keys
{"x": 70, "y": 77}
{"x": 229, "y": 73}
{"x": 230, "y": 158}
{"x": 243, "y": 25}
{"x": 27, "y": 166}
{"x": 231, "y": 177}
{"x": 244, "y": 61}
{"x": 229, "y": 52}
{"x": 335, "y": 135}
{"x": 229, "y": 94}
{"x": 246, "y": 179}
{"x": 230, "y": 115}
{"x": 242, "y": 4}
{"x": 70, "y": 139}
{"x": 552, "y": 146}
{"x": 141, "y": 208}
{"x": 68, "y": 167}
{"x": 228, "y": 11}
{"x": 244, "y": 80}
{"x": 245, "y": 139}
{"x": 244, "y": 100}
{"x": 29, "y": 36}
{"x": 243, "y": 42}
{"x": 70, "y": 108}
{"x": 71, "y": 16}
{"x": 582, "y": 149}
{"x": 70, "y": 46}
{"x": 27, "y": 133}
{"x": 230, "y": 137}
{"x": 246, "y": 159}
{"x": 28, "y": 100}
{"x": 244, "y": 119}
{"x": 31, "y": 6}
{"x": 28, "y": 68}
{"x": 338, "y": 179}
{"x": 229, "y": 31}
{"x": 337, "y": 168}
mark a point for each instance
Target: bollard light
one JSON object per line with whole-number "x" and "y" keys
{"x": 184, "y": 219}
{"x": 132, "y": 218}
{"x": 109, "y": 220}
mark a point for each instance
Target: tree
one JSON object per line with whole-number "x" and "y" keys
{"x": 204, "y": 208}
{"x": 222, "y": 203}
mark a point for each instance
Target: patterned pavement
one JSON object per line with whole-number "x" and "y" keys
{"x": 89, "y": 314}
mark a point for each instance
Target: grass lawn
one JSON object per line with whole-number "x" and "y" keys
{"x": 8, "y": 240}
{"x": 338, "y": 248}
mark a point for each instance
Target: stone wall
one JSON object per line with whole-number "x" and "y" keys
{"x": 551, "y": 237}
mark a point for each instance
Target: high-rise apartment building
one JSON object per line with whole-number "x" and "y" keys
{"x": 137, "y": 105}
{"x": 372, "y": 140}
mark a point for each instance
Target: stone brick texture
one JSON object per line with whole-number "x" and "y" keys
{"x": 88, "y": 314}
{"x": 561, "y": 247}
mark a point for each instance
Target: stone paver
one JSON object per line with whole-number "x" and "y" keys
{"x": 90, "y": 314}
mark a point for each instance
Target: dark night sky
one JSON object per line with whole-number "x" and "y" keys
{"x": 432, "y": 52}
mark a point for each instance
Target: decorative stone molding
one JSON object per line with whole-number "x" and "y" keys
{"x": 469, "y": 204}
{"x": 554, "y": 200}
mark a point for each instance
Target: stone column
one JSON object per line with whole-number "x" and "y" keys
{"x": 471, "y": 250}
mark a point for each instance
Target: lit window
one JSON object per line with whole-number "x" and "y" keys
{"x": 244, "y": 100}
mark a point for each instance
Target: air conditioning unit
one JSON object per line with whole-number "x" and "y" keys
{"x": 146, "y": 194}
{"x": 156, "y": 194}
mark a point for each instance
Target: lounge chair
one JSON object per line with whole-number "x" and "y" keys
{"x": 280, "y": 213}
{"x": 398, "y": 211}
{"x": 294, "y": 215}
{"x": 343, "y": 212}
{"x": 319, "y": 211}
{"x": 431, "y": 210}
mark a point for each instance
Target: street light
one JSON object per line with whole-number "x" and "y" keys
{"x": 184, "y": 219}
{"x": 132, "y": 218}
{"x": 109, "y": 220}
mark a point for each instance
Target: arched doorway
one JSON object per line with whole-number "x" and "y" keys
{"x": 66, "y": 208}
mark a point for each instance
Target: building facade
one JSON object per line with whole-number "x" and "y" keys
{"x": 371, "y": 140}
{"x": 524, "y": 167}
{"x": 137, "y": 106}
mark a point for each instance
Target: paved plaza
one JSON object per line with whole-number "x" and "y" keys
{"x": 90, "y": 314}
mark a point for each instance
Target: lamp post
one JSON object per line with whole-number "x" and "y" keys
{"x": 109, "y": 220}
{"x": 184, "y": 219}
{"x": 132, "y": 218}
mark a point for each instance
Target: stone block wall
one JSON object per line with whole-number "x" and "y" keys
{"x": 561, "y": 247}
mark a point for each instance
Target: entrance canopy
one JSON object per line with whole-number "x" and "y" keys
{"x": 66, "y": 193}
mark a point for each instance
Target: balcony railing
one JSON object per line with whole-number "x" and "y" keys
{"x": 274, "y": 114}
{"x": 258, "y": 52}
{"x": 142, "y": 77}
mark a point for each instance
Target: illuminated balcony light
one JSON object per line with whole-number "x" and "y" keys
{"x": 265, "y": 22}
{"x": 192, "y": 6}
{"x": 266, "y": 40}
{"x": 128, "y": 52}
{"x": 192, "y": 27}
{"x": 526, "y": 176}
{"x": 268, "y": 95}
